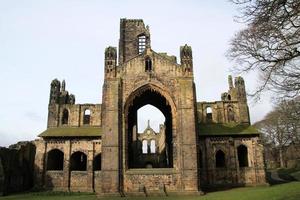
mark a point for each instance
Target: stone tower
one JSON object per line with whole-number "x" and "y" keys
{"x": 146, "y": 77}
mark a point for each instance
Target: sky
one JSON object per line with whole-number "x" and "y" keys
{"x": 65, "y": 39}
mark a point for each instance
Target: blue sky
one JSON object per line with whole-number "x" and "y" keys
{"x": 65, "y": 39}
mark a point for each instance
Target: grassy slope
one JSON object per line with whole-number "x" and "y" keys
{"x": 227, "y": 129}
{"x": 287, "y": 191}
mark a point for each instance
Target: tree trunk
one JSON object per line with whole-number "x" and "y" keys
{"x": 281, "y": 157}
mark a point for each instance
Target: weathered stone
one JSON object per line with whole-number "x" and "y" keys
{"x": 16, "y": 167}
{"x": 110, "y": 162}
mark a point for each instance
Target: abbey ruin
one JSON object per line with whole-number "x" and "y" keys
{"x": 97, "y": 147}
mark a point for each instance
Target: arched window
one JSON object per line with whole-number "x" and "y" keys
{"x": 145, "y": 147}
{"x": 230, "y": 113}
{"x": 78, "y": 161}
{"x": 208, "y": 114}
{"x": 65, "y": 117}
{"x": 87, "y": 116}
{"x": 97, "y": 162}
{"x": 220, "y": 159}
{"x": 242, "y": 156}
{"x": 152, "y": 146}
{"x": 229, "y": 97}
{"x": 148, "y": 65}
{"x": 142, "y": 43}
{"x": 55, "y": 160}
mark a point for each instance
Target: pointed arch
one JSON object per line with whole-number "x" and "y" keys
{"x": 220, "y": 159}
{"x": 242, "y": 151}
{"x": 148, "y": 64}
{"x": 145, "y": 147}
{"x": 230, "y": 113}
{"x": 152, "y": 146}
{"x": 158, "y": 96}
{"x": 65, "y": 117}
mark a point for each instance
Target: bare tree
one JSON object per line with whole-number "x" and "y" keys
{"x": 270, "y": 44}
{"x": 281, "y": 126}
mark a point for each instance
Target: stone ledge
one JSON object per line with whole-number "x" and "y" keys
{"x": 160, "y": 171}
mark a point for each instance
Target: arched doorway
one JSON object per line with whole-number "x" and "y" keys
{"x": 152, "y": 95}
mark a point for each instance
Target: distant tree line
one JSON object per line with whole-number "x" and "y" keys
{"x": 280, "y": 129}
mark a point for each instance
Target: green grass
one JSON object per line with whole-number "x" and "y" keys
{"x": 87, "y": 131}
{"x": 287, "y": 191}
{"x": 227, "y": 129}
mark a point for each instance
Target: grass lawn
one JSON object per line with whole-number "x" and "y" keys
{"x": 287, "y": 191}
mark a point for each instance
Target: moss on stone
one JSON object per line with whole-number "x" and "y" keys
{"x": 227, "y": 129}
{"x": 72, "y": 132}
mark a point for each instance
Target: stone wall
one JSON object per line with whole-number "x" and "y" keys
{"x": 16, "y": 167}
{"x": 151, "y": 181}
{"x": 64, "y": 179}
{"x": 231, "y": 174}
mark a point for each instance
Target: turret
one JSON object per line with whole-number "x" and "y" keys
{"x": 239, "y": 84}
{"x": 230, "y": 82}
{"x": 134, "y": 38}
{"x": 59, "y": 94}
{"x": 186, "y": 58}
{"x": 110, "y": 61}
{"x": 54, "y": 91}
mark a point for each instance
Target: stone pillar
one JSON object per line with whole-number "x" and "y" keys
{"x": 90, "y": 170}
{"x": 188, "y": 136}
{"x": 67, "y": 154}
{"x": 39, "y": 163}
{"x": 111, "y": 136}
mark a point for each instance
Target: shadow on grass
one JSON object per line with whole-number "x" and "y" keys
{"x": 285, "y": 176}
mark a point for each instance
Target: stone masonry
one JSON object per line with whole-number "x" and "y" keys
{"x": 92, "y": 147}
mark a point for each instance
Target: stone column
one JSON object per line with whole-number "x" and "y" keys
{"x": 67, "y": 173}
{"x": 90, "y": 170}
{"x": 187, "y": 135}
{"x": 39, "y": 163}
{"x": 111, "y": 136}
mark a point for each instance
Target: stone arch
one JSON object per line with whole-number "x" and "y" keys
{"x": 55, "y": 160}
{"x": 97, "y": 162}
{"x": 87, "y": 116}
{"x": 152, "y": 146}
{"x": 208, "y": 112}
{"x": 230, "y": 113}
{"x": 65, "y": 116}
{"x": 144, "y": 146}
{"x": 78, "y": 161}
{"x": 229, "y": 97}
{"x": 158, "y": 97}
{"x": 242, "y": 152}
{"x": 148, "y": 64}
{"x": 220, "y": 159}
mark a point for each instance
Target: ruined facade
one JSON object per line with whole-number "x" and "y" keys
{"x": 95, "y": 147}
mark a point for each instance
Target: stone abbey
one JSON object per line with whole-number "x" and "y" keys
{"x": 97, "y": 147}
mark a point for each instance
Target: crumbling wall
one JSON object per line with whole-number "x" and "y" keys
{"x": 16, "y": 167}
